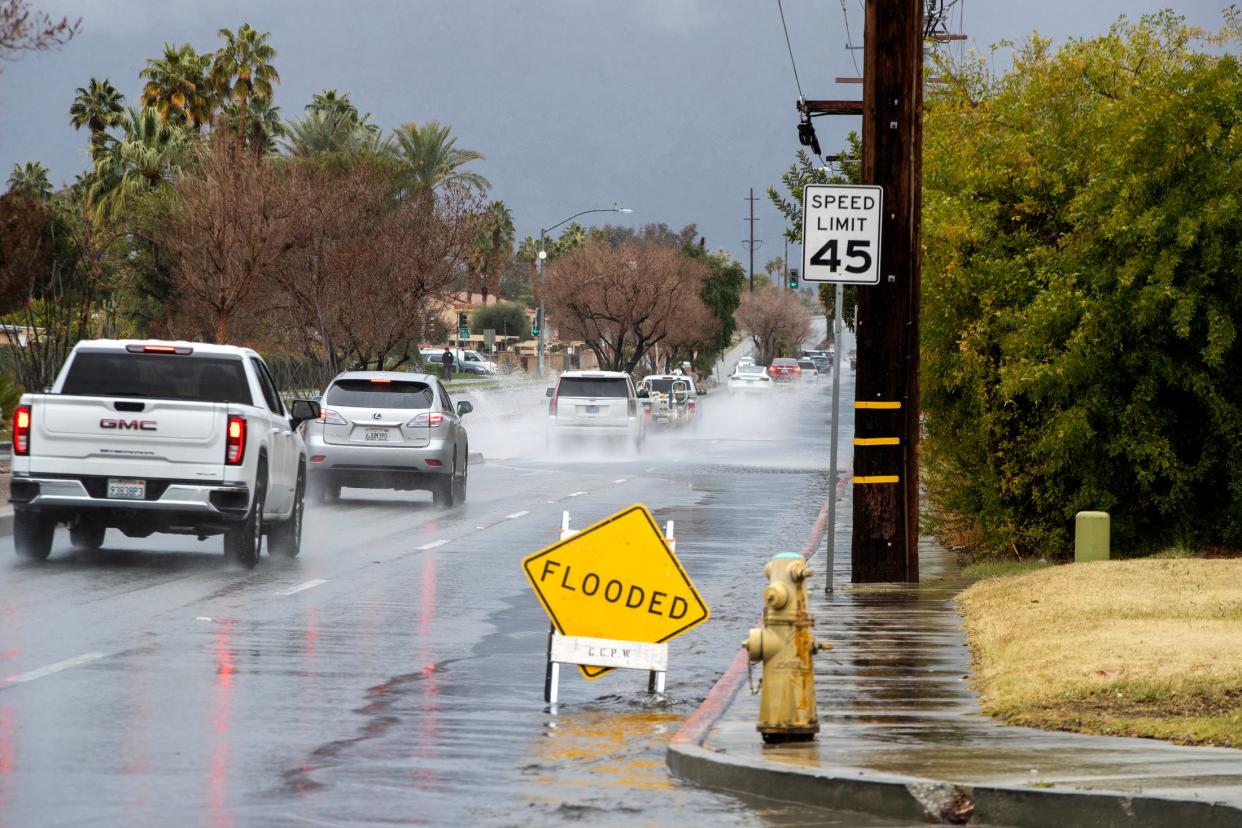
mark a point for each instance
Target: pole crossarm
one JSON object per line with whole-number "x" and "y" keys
{"x": 827, "y": 107}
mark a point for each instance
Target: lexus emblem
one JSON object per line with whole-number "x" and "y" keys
{"x": 377, "y": 416}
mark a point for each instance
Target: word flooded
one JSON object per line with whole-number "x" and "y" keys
{"x": 613, "y": 591}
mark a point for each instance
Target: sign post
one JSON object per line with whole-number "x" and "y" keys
{"x": 612, "y": 590}
{"x": 841, "y": 246}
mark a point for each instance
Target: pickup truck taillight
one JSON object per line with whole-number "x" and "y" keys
{"x": 552, "y": 406}
{"x": 21, "y": 430}
{"x": 235, "y": 441}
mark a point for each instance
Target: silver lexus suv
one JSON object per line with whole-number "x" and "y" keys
{"x": 389, "y": 430}
{"x": 594, "y": 404}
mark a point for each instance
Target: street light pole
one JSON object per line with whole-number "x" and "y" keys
{"x": 543, "y": 254}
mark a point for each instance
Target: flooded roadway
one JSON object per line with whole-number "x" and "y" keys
{"x": 393, "y": 674}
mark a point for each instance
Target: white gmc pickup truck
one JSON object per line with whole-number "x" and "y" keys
{"x": 145, "y": 437}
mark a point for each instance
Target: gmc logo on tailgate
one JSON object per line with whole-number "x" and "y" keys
{"x": 128, "y": 425}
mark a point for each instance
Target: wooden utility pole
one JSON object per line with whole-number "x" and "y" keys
{"x": 886, "y": 431}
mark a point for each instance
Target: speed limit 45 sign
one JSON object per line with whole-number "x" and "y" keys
{"x": 841, "y": 233}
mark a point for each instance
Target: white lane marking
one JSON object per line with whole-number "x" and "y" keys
{"x": 434, "y": 544}
{"x": 300, "y": 587}
{"x": 515, "y": 515}
{"x": 21, "y": 678}
{"x": 202, "y": 618}
{"x": 575, "y": 494}
{"x": 653, "y": 468}
{"x": 620, "y": 480}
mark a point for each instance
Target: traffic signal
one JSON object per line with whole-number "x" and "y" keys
{"x": 537, "y": 325}
{"x": 793, "y": 278}
{"x": 463, "y": 319}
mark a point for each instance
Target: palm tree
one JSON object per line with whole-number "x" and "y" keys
{"x": 242, "y": 69}
{"x": 322, "y": 133}
{"x": 178, "y": 87}
{"x": 330, "y": 102}
{"x": 96, "y": 106}
{"x": 262, "y": 124}
{"x": 430, "y": 158}
{"x": 493, "y": 247}
{"x": 31, "y": 180}
{"x": 148, "y": 156}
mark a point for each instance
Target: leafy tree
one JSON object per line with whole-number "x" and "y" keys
{"x": 628, "y": 300}
{"x": 775, "y": 319}
{"x": 505, "y": 318}
{"x": 430, "y": 158}
{"x": 722, "y": 293}
{"x": 31, "y": 180}
{"x": 235, "y": 221}
{"x": 177, "y": 86}
{"x": 97, "y": 107}
{"x": 1082, "y": 286}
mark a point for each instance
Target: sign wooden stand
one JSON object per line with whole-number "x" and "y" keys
{"x": 604, "y": 652}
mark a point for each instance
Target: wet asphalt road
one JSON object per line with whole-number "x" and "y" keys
{"x": 393, "y": 674}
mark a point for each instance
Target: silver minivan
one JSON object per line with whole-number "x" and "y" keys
{"x": 593, "y": 405}
{"x": 389, "y": 430}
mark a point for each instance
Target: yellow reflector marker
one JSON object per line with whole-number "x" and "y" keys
{"x": 881, "y": 478}
{"x": 877, "y": 441}
{"x": 876, "y": 404}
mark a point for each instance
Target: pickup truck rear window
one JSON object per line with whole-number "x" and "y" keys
{"x": 592, "y": 387}
{"x": 665, "y": 386}
{"x": 158, "y": 376}
{"x": 361, "y": 393}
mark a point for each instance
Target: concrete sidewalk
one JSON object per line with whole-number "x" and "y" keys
{"x": 902, "y": 735}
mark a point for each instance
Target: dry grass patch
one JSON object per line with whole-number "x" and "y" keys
{"x": 1138, "y": 648}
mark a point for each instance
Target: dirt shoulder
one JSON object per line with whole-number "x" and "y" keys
{"x": 1134, "y": 648}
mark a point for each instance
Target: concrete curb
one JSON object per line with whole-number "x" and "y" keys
{"x": 928, "y": 800}
{"x": 6, "y": 524}
{"x": 911, "y": 798}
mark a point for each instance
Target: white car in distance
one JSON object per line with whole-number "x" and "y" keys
{"x": 749, "y": 378}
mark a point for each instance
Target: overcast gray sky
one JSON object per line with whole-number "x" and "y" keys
{"x": 671, "y": 107}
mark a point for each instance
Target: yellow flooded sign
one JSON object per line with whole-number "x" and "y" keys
{"x": 617, "y": 579}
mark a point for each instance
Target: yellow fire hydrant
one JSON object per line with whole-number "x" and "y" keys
{"x": 785, "y": 645}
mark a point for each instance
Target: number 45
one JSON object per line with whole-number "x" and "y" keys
{"x": 829, "y": 257}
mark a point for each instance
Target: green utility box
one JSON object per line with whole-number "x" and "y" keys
{"x": 1090, "y": 536}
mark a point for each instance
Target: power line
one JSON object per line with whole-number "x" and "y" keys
{"x": 849, "y": 38}
{"x": 789, "y": 46}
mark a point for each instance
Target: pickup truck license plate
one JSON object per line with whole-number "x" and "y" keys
{"x": 127, "y": 489}
{"x": 377, "y": 435}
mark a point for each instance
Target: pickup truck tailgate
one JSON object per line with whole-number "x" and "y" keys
{"x": 172, "y": 439}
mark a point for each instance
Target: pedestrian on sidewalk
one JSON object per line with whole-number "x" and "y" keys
{"x": 447, "y": 361}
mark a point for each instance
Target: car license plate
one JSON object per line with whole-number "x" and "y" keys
{"x": 592, "y": 409}
{"x": 127, "y": 489}
{"x": 377, "y": 435}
